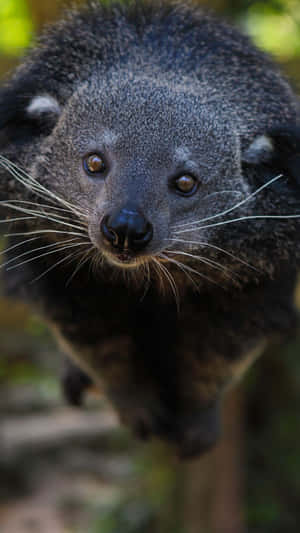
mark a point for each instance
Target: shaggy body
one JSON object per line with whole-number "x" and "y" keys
{"x": 164, "y": 91}
{"x": 160, "y": 368}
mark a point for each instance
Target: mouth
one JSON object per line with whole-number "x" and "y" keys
{"x": 124, "y": 259}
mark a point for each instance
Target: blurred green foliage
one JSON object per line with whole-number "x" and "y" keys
{"x": 273, "y": 24}
{"x": 16, "y": 26}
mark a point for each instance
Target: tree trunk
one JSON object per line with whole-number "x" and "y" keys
{"x": 213, "y": 485}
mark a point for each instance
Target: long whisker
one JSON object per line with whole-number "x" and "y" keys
{"x": 158, "y": 272}
{"x": 34, "y": 185}
{"x": 21, "y": 176}
{"x": 241, "y": 219}
{"x": 190, "y": 269}
{"x": 97, "y": 260}
{"x": 75, "y": 255}
{"x": 52, "y": 267}
{"x": 227, "y": 191}
{"x": 44, "y": 231}
{"x": 82, "y": 262}
{"x": 31, "y": 251}
{"x": 171, "y": 281}
{"x": 147, "y": 278}
{"x": 201, "y": 260}
{"x": 41, "y": 214}
{"x": 209, "y": 245}
{"x": 18, "y": 244}
{"x": 181, "y": 266}
{"x": 236, "y": 206}
{"x": 208, "y": 262}
{"x": 47, "y": 253}
{"x": 40, "y": 210}
{"x": 37, "y": 204}
{"x": 18, "y": 219}
{"x": 217, "y": 193}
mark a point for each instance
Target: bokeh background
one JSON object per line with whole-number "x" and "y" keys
{"x": 69, "y": 470}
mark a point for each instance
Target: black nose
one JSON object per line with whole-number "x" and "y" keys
{"x": 127, "y": 229}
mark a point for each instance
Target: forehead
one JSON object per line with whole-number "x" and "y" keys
{"x": 142, "y": 112}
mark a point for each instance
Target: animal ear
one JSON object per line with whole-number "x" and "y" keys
{"x": 279, "y": 149}
{"x": 41, "y": 106}
{"x": 259, "y": 151}
{"x": 24, "y": 116}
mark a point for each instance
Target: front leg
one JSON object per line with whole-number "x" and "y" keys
{"x": 111, "y": 365}
{"x": 75, "y": 383}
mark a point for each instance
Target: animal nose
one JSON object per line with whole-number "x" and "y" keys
{"x": 127, "y": 229}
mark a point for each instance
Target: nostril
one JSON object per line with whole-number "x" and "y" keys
{"x": 108, "y": 233}
{"x": 142, "y": 238}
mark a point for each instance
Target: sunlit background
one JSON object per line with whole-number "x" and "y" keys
{"x": 67, "y": 470}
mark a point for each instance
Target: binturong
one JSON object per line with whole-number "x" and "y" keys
{"x": 150, "y": 187}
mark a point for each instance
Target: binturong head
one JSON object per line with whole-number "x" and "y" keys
{"x": 163, "y": 172}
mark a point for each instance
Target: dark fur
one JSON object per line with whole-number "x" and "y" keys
{"x": 164, "y": 371}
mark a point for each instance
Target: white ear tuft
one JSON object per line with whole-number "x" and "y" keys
{"x": 260, "y": 150}
{"x": 43, "y": 104}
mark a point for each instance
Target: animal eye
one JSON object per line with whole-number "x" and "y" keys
{"x": 186, "y": 185}
{"x": 94, "y": 164}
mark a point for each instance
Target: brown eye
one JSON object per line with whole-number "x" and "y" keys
{"x": 94, "y": 164}
{"x": 186, "y": 184}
